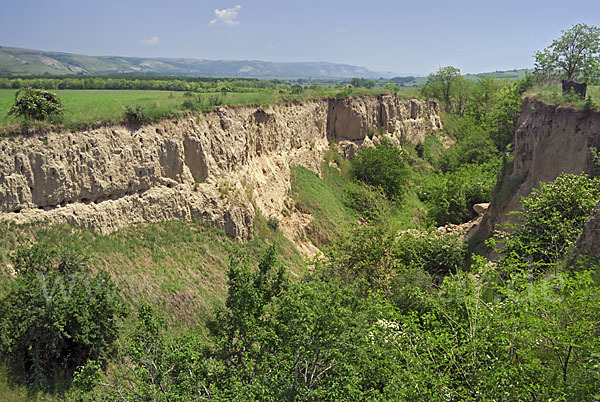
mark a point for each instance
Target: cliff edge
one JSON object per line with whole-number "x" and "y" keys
{"x": 224, "y": 165}
{"x": 549, "y": 140}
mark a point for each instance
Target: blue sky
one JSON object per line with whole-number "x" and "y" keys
{"x": 383, "y": 35}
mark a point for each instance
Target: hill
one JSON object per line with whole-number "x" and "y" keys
{"x": 28, "y": 61}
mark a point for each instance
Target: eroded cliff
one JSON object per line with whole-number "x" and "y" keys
{"x": 224, "y": 165}
{"x": 549, "y": 140}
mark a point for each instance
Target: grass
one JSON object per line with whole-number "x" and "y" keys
{"x": 324, "y": 198}
{"x": 87, "y": 107}
{"x": 180, "y": 266}
{"x": 552, "y": 94}
{"x": 91, "y": 107}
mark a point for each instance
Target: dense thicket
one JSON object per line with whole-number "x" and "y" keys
{"x": 56, "y": 317}
{"x": 383, "y": 167}
{"x": 482, "y": 119}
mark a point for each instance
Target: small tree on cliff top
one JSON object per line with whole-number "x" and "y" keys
{"x": 36, "y": 104}
{"x": 575, "y": 54}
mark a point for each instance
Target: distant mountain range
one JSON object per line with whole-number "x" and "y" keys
{"x": 27, "y": 61}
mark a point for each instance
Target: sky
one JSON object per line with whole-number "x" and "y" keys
{"x": 409, "y": 37}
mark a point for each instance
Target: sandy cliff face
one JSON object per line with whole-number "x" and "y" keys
{"x": 589, "y": 240}
{"x": 549, "y": 140}
{"x": 224, "y": 165}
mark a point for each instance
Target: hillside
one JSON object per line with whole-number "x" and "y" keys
{"x": 28, "y": 61}
{"x": 206, "y": 223}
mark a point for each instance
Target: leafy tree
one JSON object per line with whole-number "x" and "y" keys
{"x": 384, "y": 166}
{"x": 240, "y": 330}
{"x": 534, "y": 344}
{"x": 559, "y": 325}
{"x": 356, "y": 82}
{"x": 393, "y": 88}
{"x": 369, "y": 84}
{"x": 450, "y": 196}
{"x": 443, "y": 85}
{"x": 551, "y": 219}
{"x": 575, "y": 54}
{"x": 36, "y": 104}
{"x": 153, "y": 365}
{"x": 57, "y": 316}
{"x": 501, "y": 121}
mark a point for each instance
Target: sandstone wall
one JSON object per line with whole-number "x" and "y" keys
{"x": 223, "y": 165}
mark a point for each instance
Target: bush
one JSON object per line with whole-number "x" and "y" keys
{"x": 450, "y": 196}
{"x": 552, "y": 218}
{"x": 201, "y": 103}
{"x": 434, "y": 253}
{"x": 384, "y": 166}
{"x": 369, "y": 202}
{"x": 57, "y": 316}
{"x": 420, "y": 148}
{"x": 273, "y": 223}
{"x": 36, "y": 104}
{"x": 135, "y": 116}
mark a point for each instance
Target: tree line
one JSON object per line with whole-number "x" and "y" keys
{"x": 144, "y": 83}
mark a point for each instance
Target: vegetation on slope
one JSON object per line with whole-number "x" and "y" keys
{"x": 383, "y": 314}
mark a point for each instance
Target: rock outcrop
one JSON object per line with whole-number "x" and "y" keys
{"x": 549, "y": 140}
{"x": 224, "y": 165}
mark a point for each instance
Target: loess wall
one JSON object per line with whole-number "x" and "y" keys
{"x": 549, "y": 140}
{"x": 224, "y": 165}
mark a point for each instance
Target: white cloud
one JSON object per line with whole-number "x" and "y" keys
{"x": 226, "y": 16}
{"x": 153, "y": 41}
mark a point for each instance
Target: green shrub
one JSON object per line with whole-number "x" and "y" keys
{"x": 450, "y": 196}
{"x": 436, "y": 254}
{"x": 36, "y": 104}
{"x": 475, "y": 148}
{"x": 56, "y": 317}
{"x": 551, "y": 219}
{"x": 420, "y": 148}
{"x": 384, "y": 166}
{"x": 273, "y": 223}
{"x": 369, "y": 202}
{"x": 135, "y": 116}
{"x": 200, "y": 102}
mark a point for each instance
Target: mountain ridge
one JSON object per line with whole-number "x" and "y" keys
{"x": 15, "y": 60}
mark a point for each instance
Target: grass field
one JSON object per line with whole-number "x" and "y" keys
{"x": 553, "y": 94}
{"x": 84, "y": 107}
{"x": 88, "y": 107}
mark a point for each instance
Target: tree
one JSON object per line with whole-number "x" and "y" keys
{"x": 369, "y": 84}
{"x": 393, "y": 88}
{"x": 384, "y": 166}
{"x": 443, "y": 85}
{"x": 356, "y": 82}
{"x": 57, "y": 316}
{"x": 36, "y": 104}
{"x": 576, "y": 54}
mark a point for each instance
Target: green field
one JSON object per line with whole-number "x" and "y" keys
{"x": 553, "y": 94}
{"x": 92, "y": 106}
{"x": 88, "y": 107}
